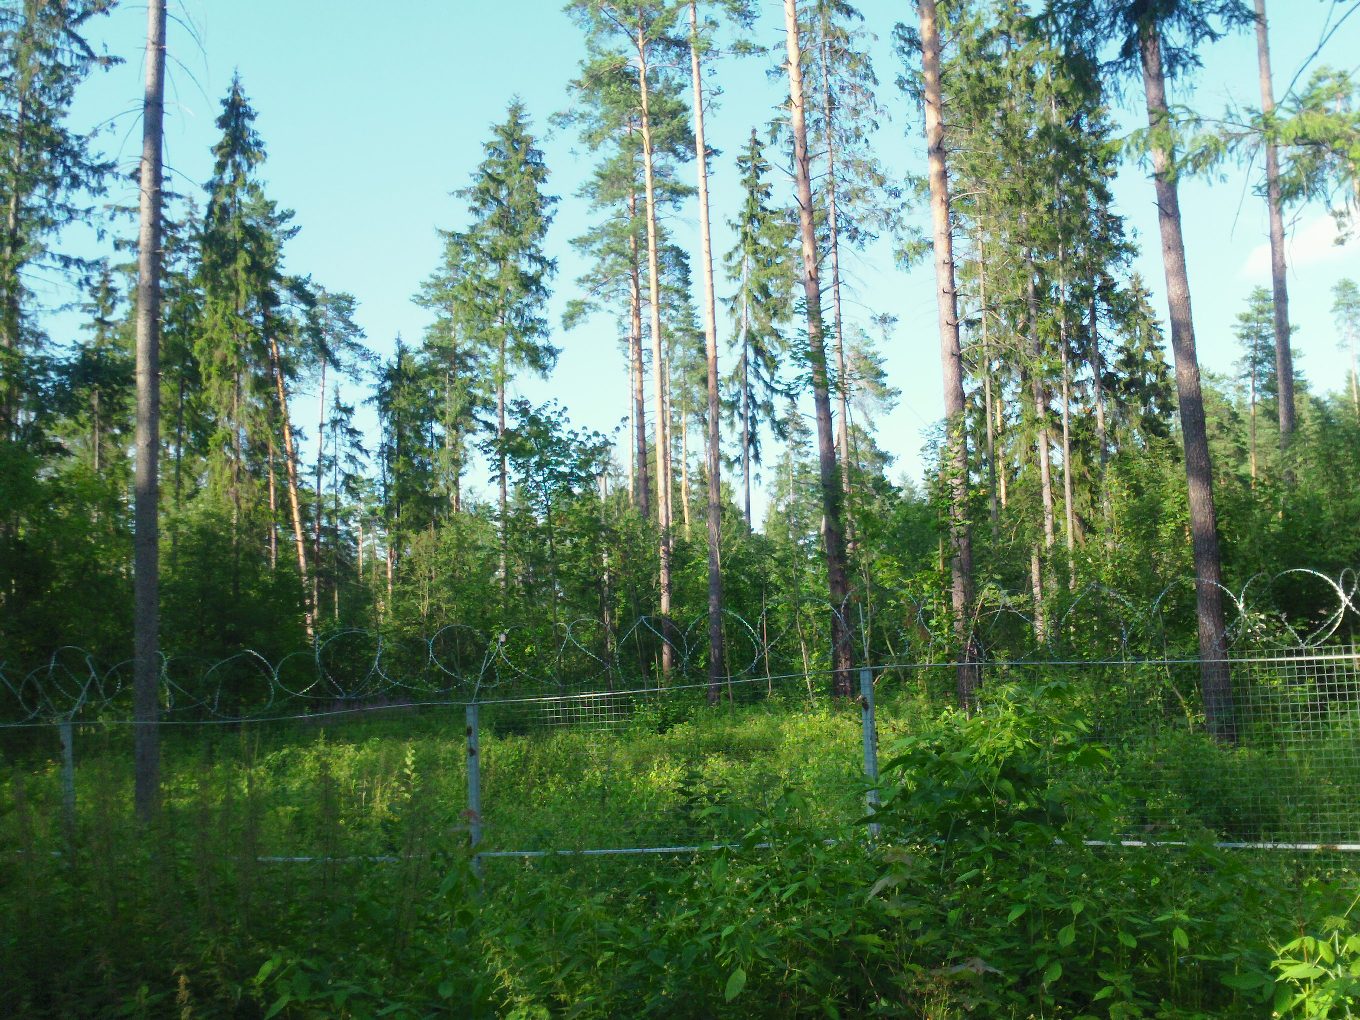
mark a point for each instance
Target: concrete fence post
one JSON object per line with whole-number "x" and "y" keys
{"x": 474, "y": 783}
{"x": 68, "y": 777}
{"x": 866, "y": 701}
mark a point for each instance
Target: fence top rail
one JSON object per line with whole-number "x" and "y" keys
{"x": 1341, "y": 655}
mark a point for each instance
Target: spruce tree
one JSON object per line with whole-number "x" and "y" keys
{"x": 506, "y": 273}
{"x": 761, "y": 267}
{"x": 47, "y": 170}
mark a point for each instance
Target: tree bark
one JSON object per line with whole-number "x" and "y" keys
{"x": 1251, "y": 418}
{"x": 663, "y": 465}
{"x": 320, "y": 451}
{"x": 273, "y": 505}
{"x": 993, "y": 511}
{"x": 714, "y": 450}
{"x": 1069, "y": 512}
{"x": 10, "y": 321}
{"x": 294, "y": 502}
{"x": 635, "y": 341}
{"x": 834, "y": 254}
{"x": 955, "y": 459}
{"x": 745, "y": 414}
{"x": 502, "y": 467}
{"x": 1039, "y": 396}
{"x": 1284, "y": 357}
{"x": 1215, "y": 678}
{"x": 1098, "y": 393}
{"x": 146, "y": 540}
{"x": 832, "y": 496}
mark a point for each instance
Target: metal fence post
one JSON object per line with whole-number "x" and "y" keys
{"x": 866, "y": 701}
{"x": 68, "y": 777}
{"x": 474, "y": 783}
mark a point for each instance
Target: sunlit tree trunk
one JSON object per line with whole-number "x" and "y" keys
{"x": 635, "y": 344}
{"x": 746, "y": 407}
{"x": 1098, "y": 399}
{"x": 714, "y": 438}
{"x": 663, "y": 450}
{"x": 834, "y": 256}
{"x": 1069, "y": 511}
{"x": 1039, "y": 396}
{"x": 1284, "y": 358}
{"x": 993, "y": 511}
{"x": 1215, "y": 678}
{"x": 320, "y": 456}
{"x": 832, "y": 496}
{"x": 270, "y": 475}
{"x": 294, "y": 500}
{"x": 9, "y": 305}
{"x": 146, "y": 500}
{"x": 955, "y": 458}
{"x": 502, "y": 464}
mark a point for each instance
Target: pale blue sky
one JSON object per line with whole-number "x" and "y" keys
{"x": 374, "y": 112}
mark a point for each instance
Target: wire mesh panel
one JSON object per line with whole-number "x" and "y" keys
{"x": 1282, "y": 772}
{"x": 662, "y": 768}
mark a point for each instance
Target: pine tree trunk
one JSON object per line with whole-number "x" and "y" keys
{"x": 1069, "y": 512}
{"x": 146, "y": 541}
{"x": 1284, "y": 357}
{"x": 1251, "y": 419}
{"x": 10, "y": 320}
{"x": 663, "y": 453}
{"x": 833, "y": 536}
{"x": 1215, "y": 678}
{"x": 993, "y": 511}
{"x": 320, "y": 451}
{"x": 745, "y": 415}
{"x": 684, "y": 462}
{"x": 502, "y": 467}
{"x": 955, "y": 459}
{"x": 1098, "y": 394}
{"x": 714, "y": 450}
{"x": 1039, "y": 396}
{"x": 834, "y": 252}
{"x": 643, "y": 480}
{"x": 273, "y": 539}
{"x": 1002, "y": 468}
{"x": 96, "y": 439}
{"x": 632, "y": 430}
{"x": 294, "y": 500}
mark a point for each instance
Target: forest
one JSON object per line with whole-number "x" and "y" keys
{"x": 226, "y": 507}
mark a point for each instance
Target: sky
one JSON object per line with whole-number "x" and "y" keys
{"x": 373, "y": 113}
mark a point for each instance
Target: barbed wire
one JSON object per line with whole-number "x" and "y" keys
{"x": 352, "y": 668}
